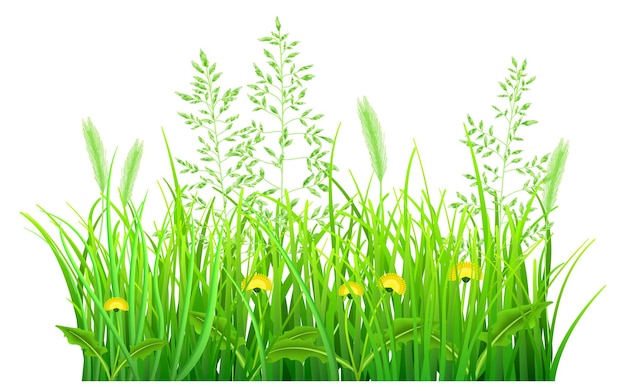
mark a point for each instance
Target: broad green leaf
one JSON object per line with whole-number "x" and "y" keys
{"x": 511, "y": 321}
{"x": 145, "y": 348}
{"x": 403, "y": 329}
{"x": 229, "y": 340}
{"x": 295, "y": 349}
{"x": 508, "y": 323}
{"x": 85, "y": 339}
{"x": 304, "y": 333}
{"x": 403, "y": 332}
{"x": 142, "y": 350}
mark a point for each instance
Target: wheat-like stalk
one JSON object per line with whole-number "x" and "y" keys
{"x": 97, "y": 154}
{"x": 554, "y": 174}
{"x": 129, "y": 172}
{"x": 374, "y": 138}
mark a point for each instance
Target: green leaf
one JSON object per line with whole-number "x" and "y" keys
{"x": 203, "y": 58}
{"x": 212, "y": 68}
{"x": 270, "y": 152}
{"x": 85, "y": 339}
{"x": 268, "y": 54}
{"x": 470, "y": 120}
{"x": 511, "y": 321}
{"x": 529, "y": 122}
{"x": 305, "y": 333}
{"x": 221, "y": 331}
{"x": 141, "y": 351}
{"x": 403, "y": 329}
{"x": 307, "y": 180}
{"x": 145, "y": 348}
{"x": 508, "y": 323}
{"x": 295, "y": 349}
{"x": 186, "y": 97}
{"x": 197, "y": 67}
{"x": 257, "y": 70}
{"x": 278, "y": 25}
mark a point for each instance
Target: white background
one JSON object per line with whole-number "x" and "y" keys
{"x": 423, "y": 68}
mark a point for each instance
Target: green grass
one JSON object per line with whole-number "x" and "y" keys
{"x": 189, "y": 318}
{"x": 476, "y": 304}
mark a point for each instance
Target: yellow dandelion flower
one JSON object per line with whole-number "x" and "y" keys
{"x": 256, "y": 283}
{"x": 116, "y": 304}
{"x": 357, "y": 289}
{"x": 465, "y": 271}
{"x": 393, "y": 283}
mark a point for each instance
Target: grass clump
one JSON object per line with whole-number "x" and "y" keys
{"x": 408, "y": 289}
